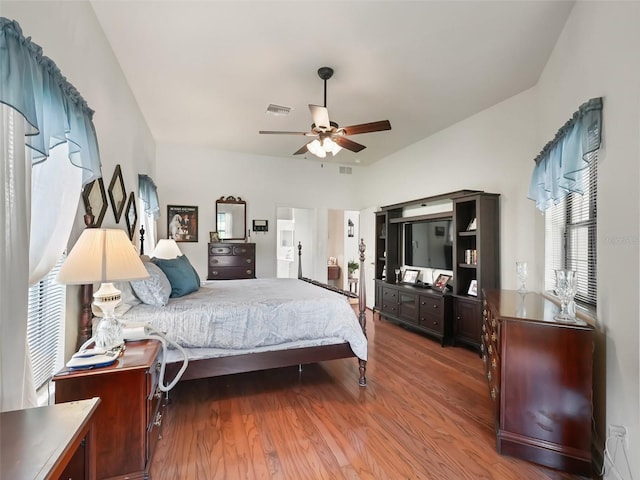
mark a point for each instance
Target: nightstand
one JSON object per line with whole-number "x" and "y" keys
{"x": 128, "y": 420}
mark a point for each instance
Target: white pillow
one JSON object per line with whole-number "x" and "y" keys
{"x": 128, "y": 296}
{"x": 154, "y": 290}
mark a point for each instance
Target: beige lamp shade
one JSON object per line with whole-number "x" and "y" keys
{"x": 102, "y": 255}
{"x": 167, "y": 249}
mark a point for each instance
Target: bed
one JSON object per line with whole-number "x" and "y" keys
{"x": 237, "y": 326}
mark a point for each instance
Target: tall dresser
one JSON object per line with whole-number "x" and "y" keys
{"x": 539, "y": 376}
{"x": 229, "y": 261}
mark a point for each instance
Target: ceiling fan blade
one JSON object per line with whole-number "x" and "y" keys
{"x": 275, "y": 132}
{"x": 367, "y": 127}
{"x": 320, "y": 117}
{"x": 301, "y": 150}
{"x": 344, "y": 142}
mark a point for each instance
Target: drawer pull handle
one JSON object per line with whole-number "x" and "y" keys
{"x": 249, "y": 272}
{"x": 248, "y": 260}
{"x": 158, "y": 420}
{"x": 435, "y": 306}
{"x": 213, "y": 260}
{"x": 214, "y": 272}
{"x": 435, "y": 323}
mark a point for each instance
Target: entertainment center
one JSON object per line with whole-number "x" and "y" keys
{"x": 455, "y": 234}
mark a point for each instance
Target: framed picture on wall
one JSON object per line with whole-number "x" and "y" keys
{"x": 117, "y": 194}
{"x": 182, "y": 223}
{"x": 131, "y": 215}
{"x": 95, "y": 201}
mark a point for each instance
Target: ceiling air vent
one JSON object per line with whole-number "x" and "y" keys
{"x": 274, "y": 109}
{"x": 345, "y": 170}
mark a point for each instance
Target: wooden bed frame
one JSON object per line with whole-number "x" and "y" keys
{"x": 213, "y": 367}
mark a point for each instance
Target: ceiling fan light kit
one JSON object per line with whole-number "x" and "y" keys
{"x": 330, "y": 138}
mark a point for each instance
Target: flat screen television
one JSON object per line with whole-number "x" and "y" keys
{"x": 429, "y": 244}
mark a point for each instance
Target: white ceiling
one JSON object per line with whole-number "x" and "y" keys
{"x": 204, "y": 72}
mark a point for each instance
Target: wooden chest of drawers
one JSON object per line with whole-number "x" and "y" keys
{"x": 539, "y": 374}
{"x": 228, "y": 261}
{"x": 129, "y": 417}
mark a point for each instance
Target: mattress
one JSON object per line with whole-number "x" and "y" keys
{"x": 232, "y": 316}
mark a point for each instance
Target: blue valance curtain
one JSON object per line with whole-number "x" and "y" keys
{"x": 55, "y": 112}
{"x": 148, "y": 193}
{"x": 561, "y": 162}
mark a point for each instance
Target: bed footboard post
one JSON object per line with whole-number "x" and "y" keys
{"x": 299, "y": 260}
{"x": 362, "y": 307}
{"x": 362, "y": 294}
{"x": 362, "y": 367}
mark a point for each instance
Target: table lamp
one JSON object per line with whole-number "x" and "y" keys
{"x": 105, "y": 256}
{"x": 167, "y": 249}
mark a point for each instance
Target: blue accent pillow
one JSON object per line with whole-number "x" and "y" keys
{"x": 182, "y": 276}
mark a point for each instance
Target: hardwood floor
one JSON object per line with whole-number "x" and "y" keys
{"x": 425, "y": 414}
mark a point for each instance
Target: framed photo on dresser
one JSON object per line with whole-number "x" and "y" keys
{"x": 441, "y": 282}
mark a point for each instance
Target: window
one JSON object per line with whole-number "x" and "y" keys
{"x": 570, "y": 236}
{"x": 45, "y": 326}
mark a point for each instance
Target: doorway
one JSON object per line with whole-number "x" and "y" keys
{"x": 293, "y": 226}
{"x": 342, "y": 249}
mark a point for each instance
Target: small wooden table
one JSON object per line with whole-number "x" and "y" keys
{"x": 39, "y": 443}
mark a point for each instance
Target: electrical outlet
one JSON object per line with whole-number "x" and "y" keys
{"x": 619, "y": 431}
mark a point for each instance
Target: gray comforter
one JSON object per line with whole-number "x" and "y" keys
{"x": 246, "y": 314}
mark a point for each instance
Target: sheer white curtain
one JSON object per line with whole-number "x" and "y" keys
{"x": 55, "y": 191}
{"x": 16, "y": 382}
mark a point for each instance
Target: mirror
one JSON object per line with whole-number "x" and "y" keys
{"x": 231, "y": 218}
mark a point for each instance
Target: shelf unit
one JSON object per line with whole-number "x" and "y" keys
{"x": 481, "y": 267}
{"x": 461, "y": 322}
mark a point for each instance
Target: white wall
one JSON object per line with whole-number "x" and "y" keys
{"x": 597, "y": 55}
{"x": 189, "y": 176}
{"x": 70, "y": 35}
{"x": 492, "y": 151}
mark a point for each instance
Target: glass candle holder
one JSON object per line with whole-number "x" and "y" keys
{"x": 566, "y": 286}
{"x": 521, "y": 274}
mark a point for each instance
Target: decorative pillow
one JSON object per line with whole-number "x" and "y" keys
{"x": 154, "y": 290}
{"x": 181, "y": 274}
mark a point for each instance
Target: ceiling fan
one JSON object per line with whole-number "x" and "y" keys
{"x": 329, "y": 137}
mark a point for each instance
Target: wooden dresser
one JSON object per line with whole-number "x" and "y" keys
{"x": 539, "y": 373}
{"x": 129, "y": 418}
{"x": 229, "y": 261}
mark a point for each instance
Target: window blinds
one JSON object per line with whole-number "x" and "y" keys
{"x": 45, "y": 322}
{"x": 570, "y": 236}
